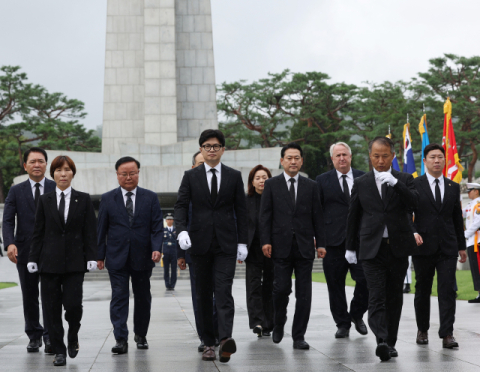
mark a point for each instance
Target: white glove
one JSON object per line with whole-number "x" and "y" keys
{"x": 351, "y": 257}
{"x": 91, "y": 265}
{"x": 386, "y": 177}
{"x": 242, "y": 252}
{"x": 32, "y": 267}
{"x": 184, "y": 240}
{"x": 465, "y": 233}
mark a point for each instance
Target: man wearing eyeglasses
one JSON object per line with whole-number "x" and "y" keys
{"x": 130, "y": 235}
{"x": 217, "y": 238}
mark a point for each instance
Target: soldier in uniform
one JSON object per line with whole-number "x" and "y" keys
{"x": 472, "y": 223}
{"x": 169, "y": 250}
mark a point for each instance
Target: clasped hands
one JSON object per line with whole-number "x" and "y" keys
{"x": 386, "y": 177}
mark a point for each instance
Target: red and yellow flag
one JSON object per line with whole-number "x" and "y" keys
{"x": 453, "y": 169}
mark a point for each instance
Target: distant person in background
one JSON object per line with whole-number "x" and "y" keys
{"x": 472, "y": 223}
{"x": 259, "y": 270}
{"x": 408, "y": 277}
{"x": 21, "y": 202}
{"x": 64, "y": 247}
{"x": 130, "y": 233}
{"x": 169, "y": 250}
{"x": 184, "y": 259}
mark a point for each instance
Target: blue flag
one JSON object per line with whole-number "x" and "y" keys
{"x": 408, "y": 160}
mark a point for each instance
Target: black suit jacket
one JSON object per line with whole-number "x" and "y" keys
{"x": 335, "y": 206}
{"x": 62, "y": 249}
{"x": 438, "y": 228}
{"x": 368, "y": 216}
{"x": 207, "y": 217}
{"x": 20, "y": 203}
{"x": 280, "y": 220}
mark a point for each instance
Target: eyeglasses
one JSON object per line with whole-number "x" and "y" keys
{"x": 215, "y": 147}
{"x": 126, "y": 175}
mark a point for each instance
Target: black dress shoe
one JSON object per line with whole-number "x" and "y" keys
{"x": 393, "y": 352}
{"x": 34, "y": 345}
{"x": 383, "y": 351}
{"x": 227, "y": 348}
{"x": 406, "y": 289}
{"x": 201, "y": 347}
{"x": 360, "y": 326}
{"x": 342, "y": 333}
{"x": 141, "y": 342}
{"x": 258, "y": 330}
{"x": 60, "y": 360}
{"x": 48, "y": 347}
{"x": 277, "y": 334}
{"x": 72, "y": 349}
{"x": 301, "y": 344}
{"x": 474, "y": 301}
{"x": 121, "y": 347}
{"x": 266, "y": 333}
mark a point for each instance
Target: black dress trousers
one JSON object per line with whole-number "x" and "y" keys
{"x": 425, "y": 267}
{"x": 336, "y": 267}
{"x": 473, "y": 260}
{"x": 259, "y": 285}
{"x": 221, "y": 266}
{"x": 282, "y": 287}
{"x": 66, "y": 290}
{"x": 385, "y": 274}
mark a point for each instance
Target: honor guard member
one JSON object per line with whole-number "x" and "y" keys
{"x": 472, "y": 223}
{"x": 169, "y": 251}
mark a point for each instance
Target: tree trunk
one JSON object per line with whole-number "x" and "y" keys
{"x": 471, "y": 165}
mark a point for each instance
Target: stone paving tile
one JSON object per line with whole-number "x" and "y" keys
{"x": 173, "y": 341}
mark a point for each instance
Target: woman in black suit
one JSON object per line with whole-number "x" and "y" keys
{"x": 64, "y": 246}
{"x": 259, "y": 292}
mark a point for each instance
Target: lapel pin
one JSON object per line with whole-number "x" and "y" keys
{"x": 76, "y": 201}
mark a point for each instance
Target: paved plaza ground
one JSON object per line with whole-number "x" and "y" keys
{"x": 173, "y": 341}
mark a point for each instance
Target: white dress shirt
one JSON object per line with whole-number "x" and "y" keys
{"x": 432, "y": 183}
{"x": 218, "y": 172}
{"x": 349, "y": 180}
{"x": 42, "y": 186}
{"x": 379, "y": 187}
{"x": 67, "y": 195}
{"x": 133, "y": 197}
{"x": 287, "y": 179}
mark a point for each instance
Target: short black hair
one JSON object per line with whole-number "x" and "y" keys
{"x": 291, "y": 145}
{"x": 34, "y": 149}
{"x": 126, "y": 159}
{"x": 385, "y": 141}
{"x": 211, "y": 133}
{"x": 431, "y": 147}
{"x": 194, "y": 157}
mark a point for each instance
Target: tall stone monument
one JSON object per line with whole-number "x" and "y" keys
{"x": 159, "y": 95}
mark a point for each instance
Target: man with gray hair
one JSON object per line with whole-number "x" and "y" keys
{"x": 381, "y": 204}
{"x": 335, "y": 187}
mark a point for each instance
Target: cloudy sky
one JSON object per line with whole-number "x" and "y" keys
{"x": 61, "y": 44}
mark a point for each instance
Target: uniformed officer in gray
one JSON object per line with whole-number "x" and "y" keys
{"x": 169, "y": 250}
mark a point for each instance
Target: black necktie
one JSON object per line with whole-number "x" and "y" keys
{"x": 129, "y": 206}
{"x": 384, "y": 192}
{"x": 37, "y": 194}
{"x": 61, "y": 208}
{"x": 214, "y": 190}
{"x": 346, "y": 190}
{"x": 438, "y": 196}
{"x": 292, "y": 190}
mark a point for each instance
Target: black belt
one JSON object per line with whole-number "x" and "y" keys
{"x": 386, "y": 240}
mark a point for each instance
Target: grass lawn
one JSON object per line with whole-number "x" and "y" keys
{"x": 464, "y": 283}
{"x": 7, "y": 285}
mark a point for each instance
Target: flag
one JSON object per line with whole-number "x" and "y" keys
{"x": 394, "y": 161}
{"x": 408, "y": 160}
{"x": 453, "y": 169}
{"x": 422, "y": 128}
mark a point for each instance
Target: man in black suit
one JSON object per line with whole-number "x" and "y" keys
{"x": 217, "y": 237}
{"x": 21, "y": 202}
{"x": 380, "y": 207}
{"x": 335, "y": 188}
{"x": 438, "y": 228}
{"x": 184, "y": 259}
{"x": 291, "y": 217}
{"x": 130, "y": 234}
